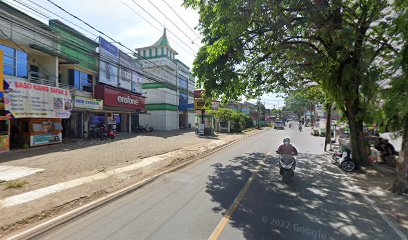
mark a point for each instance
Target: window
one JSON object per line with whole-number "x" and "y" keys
{"x": 86, "y": 82}
{"x": 157, "y": 52}
{"x": 150, "y": 52}
{"x": 15, "y": 62}
{"x": 162, "y": 51}
{"x": 182, "y": 83}
{"x": 22, "y": 64}
{"x": 80, "y": 80}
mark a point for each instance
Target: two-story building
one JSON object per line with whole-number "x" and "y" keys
{"x": 33, "y": 99}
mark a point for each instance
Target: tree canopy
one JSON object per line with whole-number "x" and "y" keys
{"x": 255, "y": 46}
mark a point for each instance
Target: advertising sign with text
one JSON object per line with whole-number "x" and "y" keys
{"x": 29, "y": 100}
{"x": 108, "y": 61}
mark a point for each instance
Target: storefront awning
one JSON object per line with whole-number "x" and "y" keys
{"x": 53, "y": 53}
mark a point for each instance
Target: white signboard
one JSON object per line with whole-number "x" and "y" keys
{"x": 29, "y": 100}
{"x": 88, "y": 103}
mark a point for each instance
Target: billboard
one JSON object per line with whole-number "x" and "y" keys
{"x": 29, "y": 100}
{"x": 125, "y": 73}
{"x": 108, "y": 61}
{"x": 136, "y": 82}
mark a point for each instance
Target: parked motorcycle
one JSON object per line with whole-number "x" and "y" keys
{"x": 287, "y": 165}
{"x": 344, "y": 160}
{"x": 148, "y": 129}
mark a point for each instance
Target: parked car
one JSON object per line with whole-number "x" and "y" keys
{"x": 279, "y": 125}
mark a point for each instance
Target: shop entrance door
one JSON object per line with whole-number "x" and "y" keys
{"x": 135, "y": 121}
{"x": 117, "y": 117}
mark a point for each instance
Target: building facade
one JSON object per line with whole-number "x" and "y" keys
{"x": 33, "y": 101}
{"x": 160, "y": 85}
{"x": 78, "y": 73}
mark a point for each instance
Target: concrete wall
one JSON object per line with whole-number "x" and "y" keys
{"x": 160, "y": 120}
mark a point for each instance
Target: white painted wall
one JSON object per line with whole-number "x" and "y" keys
{"x": 160, "y": 120}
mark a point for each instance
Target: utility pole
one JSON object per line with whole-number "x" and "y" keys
{"x": 259, "y": 103}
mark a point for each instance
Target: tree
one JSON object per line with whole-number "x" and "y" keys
{"x": 396, "y": 98}
{"x": 255, "y": 46}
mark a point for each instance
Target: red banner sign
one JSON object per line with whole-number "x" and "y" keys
{"x": 117, "y": 98}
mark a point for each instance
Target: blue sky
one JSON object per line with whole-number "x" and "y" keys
{"x": 129, "y": 24}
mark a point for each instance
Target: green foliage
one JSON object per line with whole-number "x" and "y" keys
{"x": 239, "y": 120}
{"x": 396, "y": 97}
{"x": 257, "y": 46}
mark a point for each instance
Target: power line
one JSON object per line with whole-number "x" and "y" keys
{"x": 102, "y": 33}
{"x": 107, "y": 60}
{"x": 181, "y": 19}
{"x": 147, "y": 77}
{"x": 62, "y": 18}
{"x": 158, "y": 9}
{"x": 160, "y": 24}
{"x": 133, "y": 10}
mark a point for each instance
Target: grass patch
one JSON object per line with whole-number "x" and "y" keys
{"x": 15, "y": 184}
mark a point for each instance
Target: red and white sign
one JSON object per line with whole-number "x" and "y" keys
{"x": 118, "y": 98}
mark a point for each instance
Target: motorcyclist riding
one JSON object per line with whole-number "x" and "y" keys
{"x": 288, "y": 149}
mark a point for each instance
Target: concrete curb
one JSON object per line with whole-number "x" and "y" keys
{"x": 42, "y": 228}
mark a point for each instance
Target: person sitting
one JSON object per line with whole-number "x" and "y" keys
{"x": 287, "y": 149}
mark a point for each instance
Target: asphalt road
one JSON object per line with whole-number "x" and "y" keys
{"x": 197, "y": 201}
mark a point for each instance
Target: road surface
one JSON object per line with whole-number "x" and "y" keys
{"x": 237, "y": 193}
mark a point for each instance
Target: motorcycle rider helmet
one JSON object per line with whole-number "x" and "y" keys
{"x": 286, "y": 141}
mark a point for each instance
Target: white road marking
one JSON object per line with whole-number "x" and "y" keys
{"x": 8, "y": 173}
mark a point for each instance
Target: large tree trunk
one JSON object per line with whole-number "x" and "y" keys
{"x": 355, "y": 119}
{"x": 328, "y": 125}
{"x": 401, "y": 182}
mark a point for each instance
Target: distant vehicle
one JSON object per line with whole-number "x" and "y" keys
{"x": 279, "y": 125}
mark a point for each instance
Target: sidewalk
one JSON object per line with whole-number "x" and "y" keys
{"x": 68, "y": 175}
{"x": 375, "y": 183}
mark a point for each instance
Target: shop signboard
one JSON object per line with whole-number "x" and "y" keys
{"x": 125, "y": 71}
{"x": 117, "y": 98}
{"x": 108, "y": 61}
{"x": 30, "y": 100}
{"x": 88, "y": 103}
{"x": 44, "y": 139}
{"x": 199, "y": 104}
{"x": 215, "y": 105}
{"x": 198, "y": 93}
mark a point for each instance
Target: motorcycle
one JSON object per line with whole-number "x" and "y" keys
{"x": 287, "y": 164}
{"x": 148, "y": 129}
{"x": 345, "y": 160}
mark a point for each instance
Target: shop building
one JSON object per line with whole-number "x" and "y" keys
{"x": 78, "y": 74}
{"x": 32, "y": 101}
{"x": 166, "y": 87}
{"x": 120, "y": 88}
